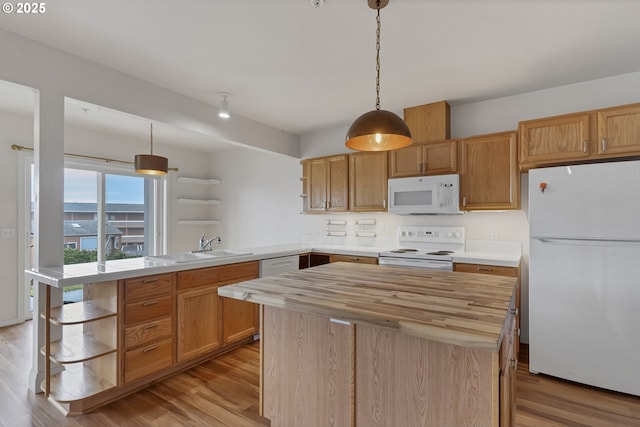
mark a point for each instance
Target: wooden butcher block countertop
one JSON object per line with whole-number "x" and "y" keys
{"x": 464, "y": 309}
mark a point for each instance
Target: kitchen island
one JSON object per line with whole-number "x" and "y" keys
{"x": 368, "y": 345}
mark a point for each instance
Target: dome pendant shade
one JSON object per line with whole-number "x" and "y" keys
{"x": 150, "y": 164}
{"x": 378, "y": 130}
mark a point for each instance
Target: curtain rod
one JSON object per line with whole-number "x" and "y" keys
{"x": 83, "y": 156}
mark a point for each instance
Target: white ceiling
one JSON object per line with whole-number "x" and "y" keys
{"x": 301, "y": 69}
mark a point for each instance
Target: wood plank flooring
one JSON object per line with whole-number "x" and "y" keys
{"x": 224, "y": 392}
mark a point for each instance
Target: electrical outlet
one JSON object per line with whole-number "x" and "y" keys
{"x": 494, "y": 234}
{"x": 8, "y": 233}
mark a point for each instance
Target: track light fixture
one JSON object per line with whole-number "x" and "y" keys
{"x": 223, "y": 112}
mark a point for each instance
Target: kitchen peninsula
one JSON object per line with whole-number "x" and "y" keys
{"x": 368, "y": 345}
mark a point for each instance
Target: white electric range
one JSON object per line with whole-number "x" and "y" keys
{"x": 431, "y": 247}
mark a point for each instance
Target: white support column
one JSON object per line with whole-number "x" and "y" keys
{"x": 49, "y": 212}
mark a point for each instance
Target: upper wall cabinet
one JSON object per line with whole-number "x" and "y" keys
{"x": 429, "y": 122}
{"x": 572, "y": 138}
{"x": 489, "y": 177}
{"x": 368, "y": 181}
{"x": 430, "y": 158}
{"x": 326, "y": 184}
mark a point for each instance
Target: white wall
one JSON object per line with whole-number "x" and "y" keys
{"x": 260, "y": 198}
{"x": 491, "y": 116}
{"x": 15, "y": 130}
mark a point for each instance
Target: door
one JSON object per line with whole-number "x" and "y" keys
{"x": 406, "y": 161}
{"x": 599, "y": 201}
{"x": 619, "y": 131}
{"x": 199, "y": 322}
{"x": 368, "y": 182}
{"x": 583, "y": 315}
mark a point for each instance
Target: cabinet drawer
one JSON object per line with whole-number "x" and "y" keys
{"x": 148, "y": 360}
{"x": 147, "y": 309}
{"x": 221, "y": 276}
{"x": 497, "y": 270}
{"x": 148, "y": 286}
{"x": 352, "y": 258}
{"x": 145, "y": 333}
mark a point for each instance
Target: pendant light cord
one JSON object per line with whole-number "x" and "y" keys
{"x": 378, "y": 57}
{"x": 152, "y": 139}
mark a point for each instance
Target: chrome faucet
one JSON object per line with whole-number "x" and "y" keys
{"x": 204, "y": 243}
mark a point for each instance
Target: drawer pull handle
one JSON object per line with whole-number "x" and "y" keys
{"x": 354, "y": 259}
{"x": 484, "y": 269}
{"x": 148, "y": 349}
{"x": 149, "y": 303}
{"x": 149, "y": 280}
{"x": 146, "y": 328}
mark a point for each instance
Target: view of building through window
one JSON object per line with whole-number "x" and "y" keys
{"x": 122, "y": 216}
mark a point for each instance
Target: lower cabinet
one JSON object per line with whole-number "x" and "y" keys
{"x": 148, "y": 325}
{"x": 319, "y": 371}
{"x": 207, "y": 321}
{"x": 199, "y": 322}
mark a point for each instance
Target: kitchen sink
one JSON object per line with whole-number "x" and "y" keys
{"x": 196, "y": 256}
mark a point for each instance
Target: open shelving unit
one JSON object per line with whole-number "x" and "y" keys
{"x": 82, "y": 361}
{"x": 202, "y": 201}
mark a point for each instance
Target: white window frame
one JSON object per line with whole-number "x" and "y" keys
{"x": 156, "y": 190}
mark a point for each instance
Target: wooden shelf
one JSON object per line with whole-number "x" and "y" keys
{"x": 211, "y": 181}
{"x": 76, "y": 383}
{"x": 197, "y": 222}
{"x": 78, "y": 312}
{"x": 199, "y": 201}
{"x": 77, "y": 348}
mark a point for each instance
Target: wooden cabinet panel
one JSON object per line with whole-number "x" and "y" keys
{"x": 148, "y": 286}
{"x": 575, "y": 138}
{"x": 240, "y": 320}
{"x": 338, "y": 183}
{"x": 368, "y": 181}
{"x": 326, "y": 184}
{"x": 429, "y": 122}
{"x": 222, "y": 275}
{"x": 310, "y": 375}
{"x": 147, "y": 332}
{"x": 410, "y": 381}
{"x": 352, "y": 258}
{"x": 554, "y": 139}
{"x": 199, "y": 322}
{"x": 434, "y": 158}
{"x": 497, "y": 270}
{"x": 440, "y": 158}
{"x": 148, "y": 359}
{"x": 405, "y": 162}
{"x": 619, "y": 131}
{"x": 144, "y": 310}
{"x": 490, "y": 178}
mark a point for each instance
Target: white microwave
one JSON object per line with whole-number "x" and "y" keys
{"x": 424, "y": 195}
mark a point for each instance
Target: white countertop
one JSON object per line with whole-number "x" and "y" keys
{"x": 95, "y": 272}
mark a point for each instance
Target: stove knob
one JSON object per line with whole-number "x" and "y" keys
{"x": 456, "y": 234}
{"x": 449, "y": 234}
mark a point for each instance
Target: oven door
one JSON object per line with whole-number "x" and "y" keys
{"x": 417, "y": 263}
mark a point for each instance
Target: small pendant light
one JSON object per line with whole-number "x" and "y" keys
{"x": 149, "y": 164}
{"x": 378, "y": 130}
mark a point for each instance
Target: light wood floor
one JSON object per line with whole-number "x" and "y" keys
{"x": 224, "y": 392}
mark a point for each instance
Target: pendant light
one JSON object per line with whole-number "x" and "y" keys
{"x": 378, "y": 130}
{"x": 149, "y": 164}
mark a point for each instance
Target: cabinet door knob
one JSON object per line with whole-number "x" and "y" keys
{"x": 604, "y": 144}
{"x": 585, "y": 146}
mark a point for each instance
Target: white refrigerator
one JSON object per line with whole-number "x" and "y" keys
{"x": 584, "y": 274}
